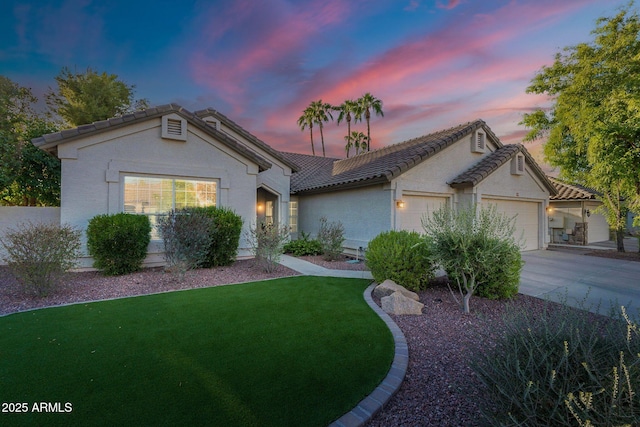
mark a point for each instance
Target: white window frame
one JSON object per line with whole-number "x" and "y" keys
{"x": 293, "y": 216}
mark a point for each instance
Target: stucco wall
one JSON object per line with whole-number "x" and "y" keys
{"x": 93, "y": 169}
{"x": 364, "y": 212}
{"x": 12, "y": 216}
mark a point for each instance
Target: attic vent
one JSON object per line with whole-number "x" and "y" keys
{"x": 517, "y": 165}
{"x": 211, "y": 121}
{"x": 478, "y": 142}
{"x": 174, "y": 127}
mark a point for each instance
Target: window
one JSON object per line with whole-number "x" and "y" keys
{"x": 156, "y": 196}
{"x": 293, "y": 216}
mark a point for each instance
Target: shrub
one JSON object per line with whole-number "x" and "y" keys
{"x": 39, "y": 254}
{"x": 331, "y": 237}
{"x": 399, "y": 256}
{"x": 225, "y": 233}
{"x": 303, "y": 246}
{"x": 465, "y": 241}
{"x": 267, "y": 241}
{"x": 187, "y": 238}
{"x": 563, "y": 367}
{"x": 118, "y": 242}
{"x": 499, "y": 279}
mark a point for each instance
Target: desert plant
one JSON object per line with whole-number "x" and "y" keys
{"x": 331, "y": 237}
{"x": 465, "y": 240}
{"x": 562, "y": 367}
{"x": 225, "y": 233}
{"x": 118, "y": 242}
{"x": 267, "y": 243}
{"x": 186, "y": 237}
{"x": 38, "y": 254}
{"x": 399, "y": 256}
{"x": 303, "y": 246}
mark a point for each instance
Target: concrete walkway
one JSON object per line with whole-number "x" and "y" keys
{"x": 310, "y": 269}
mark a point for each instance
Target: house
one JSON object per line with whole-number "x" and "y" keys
{"x": 167, "y": 157}
{"x": 573, "y": 218}
{"x": 392, "y": 187}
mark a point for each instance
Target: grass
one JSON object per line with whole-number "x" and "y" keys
{"x": 293, "y": 351}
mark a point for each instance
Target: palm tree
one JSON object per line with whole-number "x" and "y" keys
{"x": 306, "y": 120}
{"x": 347, "y": 109}
{"x": 367, "y": 103}
{"x": 359, "y": 141}
{"x": 321, "y": 113}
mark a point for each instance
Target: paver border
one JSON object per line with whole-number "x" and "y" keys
{"x": 373, "y": 403}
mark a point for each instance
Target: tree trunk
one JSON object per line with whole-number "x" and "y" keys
{"x": 465, "y": 300}
{"x": 620, "y": 240}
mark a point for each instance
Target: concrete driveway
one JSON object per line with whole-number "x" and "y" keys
{"x": 569, "y": 274}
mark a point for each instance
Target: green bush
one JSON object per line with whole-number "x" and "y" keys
{"x": 225, "y": 235}
{"x": 187, "y": 239}
{"x": 562, "y": 367}
{"x": 331, "y": 237}
{"x": 499, "y": 279}
{"x": 39, "y": 254}
{"x": 399, "y": 256}
{"x": 303, "y": 246}
{"x": 118, "y": 242}
{"x": 470, "y": 243}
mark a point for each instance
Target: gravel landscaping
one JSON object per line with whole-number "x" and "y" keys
{"x": 439, "y": 389}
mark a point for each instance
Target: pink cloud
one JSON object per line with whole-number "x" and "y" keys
{"x": 450, "y": 4}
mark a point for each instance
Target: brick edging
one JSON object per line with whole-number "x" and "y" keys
{"x": 370, "y": 405}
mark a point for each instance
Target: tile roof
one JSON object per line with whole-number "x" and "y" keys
{"x": 572, "y": 191}
{"x": 51, "y": 141}
{"x": 249, "y": 136}
{"x": 491, "y": 162}
{"x": 381, "y": 165}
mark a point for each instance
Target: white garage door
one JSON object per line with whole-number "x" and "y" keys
{"x": 415, "y": 207}
{"x": 527, "y": 219}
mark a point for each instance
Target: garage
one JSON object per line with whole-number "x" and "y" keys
{"x": 415, "y": 206}
{"x": 527, "y": 219}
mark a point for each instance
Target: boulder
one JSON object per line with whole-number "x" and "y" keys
{"x": 397, "y": 303}
{"x": 388, "y": 287}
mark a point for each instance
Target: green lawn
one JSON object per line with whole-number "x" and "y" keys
{"x": 296, "y": 351}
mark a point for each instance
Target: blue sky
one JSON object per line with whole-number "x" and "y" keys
{"x": 433, "y": 63}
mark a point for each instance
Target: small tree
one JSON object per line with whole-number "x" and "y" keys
{"x": 466, "y": 240}
{"x": 331, "y": 237}
{"x": 267, "y": 243}
{"x": 39, "y": 254}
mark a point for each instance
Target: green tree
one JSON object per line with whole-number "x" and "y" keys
{"x": 358, "y": 140}
{"x": 28, "y": 176}
{"x": 347, "y": 110}
{"x": 321, "y": 113}
{"x": 593, "y": 128}
{"x": 87, "y": 97}
{"x": 306, "y": 120}
{"x": 366, "y": 104}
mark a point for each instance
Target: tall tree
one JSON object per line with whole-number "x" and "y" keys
{"x": 358, "y": 140}
{"x": 28, "y": 176}
{"x": 306, "y": 120}
{"x": 347, "y": 110}
{"x": 593, "y": 128}
{"x": 368, "y": 103}
{"x": 321, "y": 114}
{"x": 87, "y": 97}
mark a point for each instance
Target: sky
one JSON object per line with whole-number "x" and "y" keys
{"x": 433, "y": 63}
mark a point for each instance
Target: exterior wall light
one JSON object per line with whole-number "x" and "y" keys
{"x": 587, "y": 213}
{"x": 400, "y": 204}
{"x": 260, "y": 207}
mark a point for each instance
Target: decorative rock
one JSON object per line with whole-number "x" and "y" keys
{"x": 388, "y": 287}
{"x": 397, "y": 303}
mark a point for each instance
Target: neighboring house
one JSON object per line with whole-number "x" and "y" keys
{"x": 393, "y": 187}
{"x": 572, "y": 216}
{"x": 166, "y": 157}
